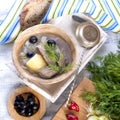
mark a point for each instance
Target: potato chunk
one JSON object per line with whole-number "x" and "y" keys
{"x": 36, "y": 63}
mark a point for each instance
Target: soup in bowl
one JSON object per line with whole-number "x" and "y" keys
{"x": 46, "y": 54}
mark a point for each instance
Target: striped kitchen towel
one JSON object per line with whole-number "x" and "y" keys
{"x": 105, "y": 12}
{"x": 9, "y": 19}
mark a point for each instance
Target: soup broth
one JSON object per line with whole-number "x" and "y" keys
{"x": 46, "y": 55}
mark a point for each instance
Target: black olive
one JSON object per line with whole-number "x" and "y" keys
{"x": 35, "y": 106}
{"x": 19, "y": 98}
{"x": 21, "y": 111}
{"x": 30, "y": 54}
{"x": 16, "y": 104}
{"x": 33, "y": 39}
{"x": 23, "y": 105}
{"x": 30, "y": 96}
{"x": 29, "y": 112}
{"x": 31, "y": 101}
{"x": 51, "y": 42}
{"x": 26, "y": 103}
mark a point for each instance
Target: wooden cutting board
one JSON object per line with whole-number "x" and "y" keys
{"x": 85, "y": 84}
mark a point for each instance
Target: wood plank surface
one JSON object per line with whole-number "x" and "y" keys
{"x": 85, "y": 84}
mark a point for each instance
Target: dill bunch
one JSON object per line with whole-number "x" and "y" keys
{"x": 106, "y": 79}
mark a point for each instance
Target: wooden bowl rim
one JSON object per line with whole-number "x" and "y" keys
{"x": 40, "y": 29}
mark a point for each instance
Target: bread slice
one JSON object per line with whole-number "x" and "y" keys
{"x": 33, "y": 12}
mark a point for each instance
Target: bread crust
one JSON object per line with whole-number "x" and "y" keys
{"x": 33, "y": 12}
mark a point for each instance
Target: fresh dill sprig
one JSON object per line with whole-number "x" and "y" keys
{"x": 56, "y": 57}
{"x": 51, "y": 52}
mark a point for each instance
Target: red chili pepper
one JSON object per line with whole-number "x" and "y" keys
{"x": 71, "y": 117}
{"x": 73, "y": 106}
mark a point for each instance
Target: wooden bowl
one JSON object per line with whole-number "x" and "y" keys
{"x": 37, "y": 116}
{"x": 45, "y": 29}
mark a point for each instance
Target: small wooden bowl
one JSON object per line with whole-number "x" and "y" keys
{"x": 45, "y": 29}
{"x": 37, "y": 116}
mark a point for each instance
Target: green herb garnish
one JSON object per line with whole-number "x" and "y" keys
{"x": 51, "y": 52}
{"x": 56, "y": 57}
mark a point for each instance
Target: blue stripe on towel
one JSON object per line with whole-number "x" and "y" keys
{"x": 113, "y": 26}
{"x": 63, "y": 7}
{"x": 92, "y": 8}
{"x": 11, "y": 30}
{"x": 46, "y": 17}
{"x": 8, "y": 12}
{"x": 109, "y": 9}
{"x": 118, "y": 2}
{"x": 102, "y": 18}
{"x": 78, "y": 6}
